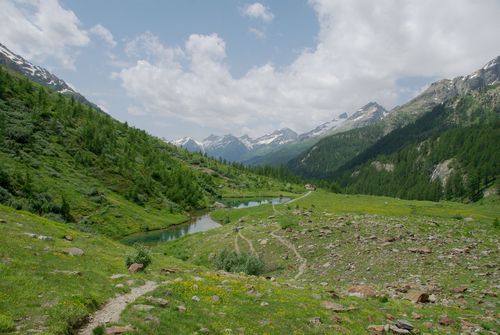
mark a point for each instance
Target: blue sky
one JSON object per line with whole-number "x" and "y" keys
{"x": 186, "y": 67}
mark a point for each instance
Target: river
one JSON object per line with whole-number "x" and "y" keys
{"x": 199, "y": 222}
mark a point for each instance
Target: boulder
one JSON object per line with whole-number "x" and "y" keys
{"x": 158, "y": 302}
{"x": 74, "y": 251}
{"x": 68, "y": 237}
{"x": 135, "y": 267}
{"x": 362, "y": 291}
{"x": 404, "y": 324}
{"x": 181, "y": 309}
{"x": 417, "y": 296}
{"x": 446, "y": 321}
{"x": 333, "y": 306}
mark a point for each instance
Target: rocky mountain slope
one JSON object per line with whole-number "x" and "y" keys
{"x": 331, "y": 152}
{"x": 39, "y": 75}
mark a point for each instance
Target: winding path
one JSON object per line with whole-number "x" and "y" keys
{"x": 249, "y": 242}
{"x": 289, "y": 245}
{"x": 301, "y": 197}
{"x": 112, "y": 310}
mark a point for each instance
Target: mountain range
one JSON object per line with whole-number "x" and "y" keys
{"x": 248, "y": 150}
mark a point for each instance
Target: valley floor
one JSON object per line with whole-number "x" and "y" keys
{"x": 334, "y": 264}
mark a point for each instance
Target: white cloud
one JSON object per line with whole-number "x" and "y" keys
{"x": 41, "y": 29}
{"x": 363, "y": 48}
{"x": 258, "y": 33}
{"x": 258, "y": 11}
{"x": 103, "y": 33}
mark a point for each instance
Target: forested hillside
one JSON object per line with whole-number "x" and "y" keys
{"x": 449, "y": 153}
{"x": 64, "y": 159}
{"x": 331, "y": 152}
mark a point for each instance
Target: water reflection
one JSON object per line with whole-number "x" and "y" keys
{"x": 199, "y": 223}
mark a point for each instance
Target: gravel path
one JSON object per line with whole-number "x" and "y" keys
{"x": 112, "y": 310}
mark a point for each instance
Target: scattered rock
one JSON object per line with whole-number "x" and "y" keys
{"x": 416, "y": 316}
{"x": 264, "y": 322}
{"x": 432, "y": 298}
{"x": 460, "y": 289}
{"x": 195, "y": 298}
{"x": 263, "y": 241}
{"x": 377, "y": 329}
{"x": 118, "y": 276}
{"x": 204, "y": 330}
{"x": 3, "y": 221}
{"x": 333, "y": 306}
{"x": 215, "y": 298}
{"x": 168, "y": 270}
{"x": 264, "y": 303}
{"x": 152, "y": 318}
{"x": 68, "y": 272}
{"x": 141, "y": 307}
{"x": 417, "y": 296}
{"x": 446, "y": 321}
{"x": 68, "y": 237}
{"x": 424, "y": 250}
{"x": 397, "y": 330}
{"x": 403, "y": 324}
{"x": 362, "y": 291}
{"x": 45, "y": 238}
{"x": 30, "y": 234}
{"x": 74, "y": 251}
{"x": 119, "y": 330}
{"x": 316, "y": 321}
{"x": 135, "y": 267}
{"x": 158, "y": 302}
{"x": 181, "y": 309}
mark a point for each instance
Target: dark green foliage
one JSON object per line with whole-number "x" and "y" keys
{"x": 99, "y": 330}
{"x": 232, "y": 261}
{"x": 36, "y": 124}
{"x": 141, "y": 255}
{"x": 464, "y": 133}
{"x": 330, "y": 153}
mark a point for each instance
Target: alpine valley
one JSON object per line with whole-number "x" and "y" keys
{"x": 375, "y": 222}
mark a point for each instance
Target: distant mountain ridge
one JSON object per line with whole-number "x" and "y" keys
{"x": 39, "y": 75}
{"x": 249, "y": 150}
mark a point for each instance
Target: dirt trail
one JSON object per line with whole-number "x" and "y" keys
{"x": 236, "y": 245}
{"x": 112, "y": 310}
{"x": 250, "y": 244}
{"x": 301, "y": 197}
{"x": 289, "y": 245}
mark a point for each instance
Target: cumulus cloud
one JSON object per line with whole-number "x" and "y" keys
{"x": 41, "y": 29}
{"x": 258, "y": 11}
{"x": 363, "y": 49}
{"x": 103, "y": 33}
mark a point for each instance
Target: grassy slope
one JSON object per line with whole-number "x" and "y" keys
{"x": 345, "y": 241}
{"x": 34, "y": 296}
{"x": 118, "y": 180}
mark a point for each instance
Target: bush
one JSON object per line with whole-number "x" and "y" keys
{"x": 141, "y": 255}
{"x": 6, "y": 324}
{"x": 286, "y": 222}
{"x": 231, "y": 261}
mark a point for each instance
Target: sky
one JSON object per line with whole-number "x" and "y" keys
{"x": 195, "y": 67}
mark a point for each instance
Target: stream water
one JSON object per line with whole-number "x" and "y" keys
{"x": 199, "y": 222}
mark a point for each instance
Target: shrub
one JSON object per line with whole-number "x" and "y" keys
{"x": 232, "y": 261}
{"x": 140, "y": 255}
{"x": 288, "y": 222}
{"x": 99, "y": 330}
